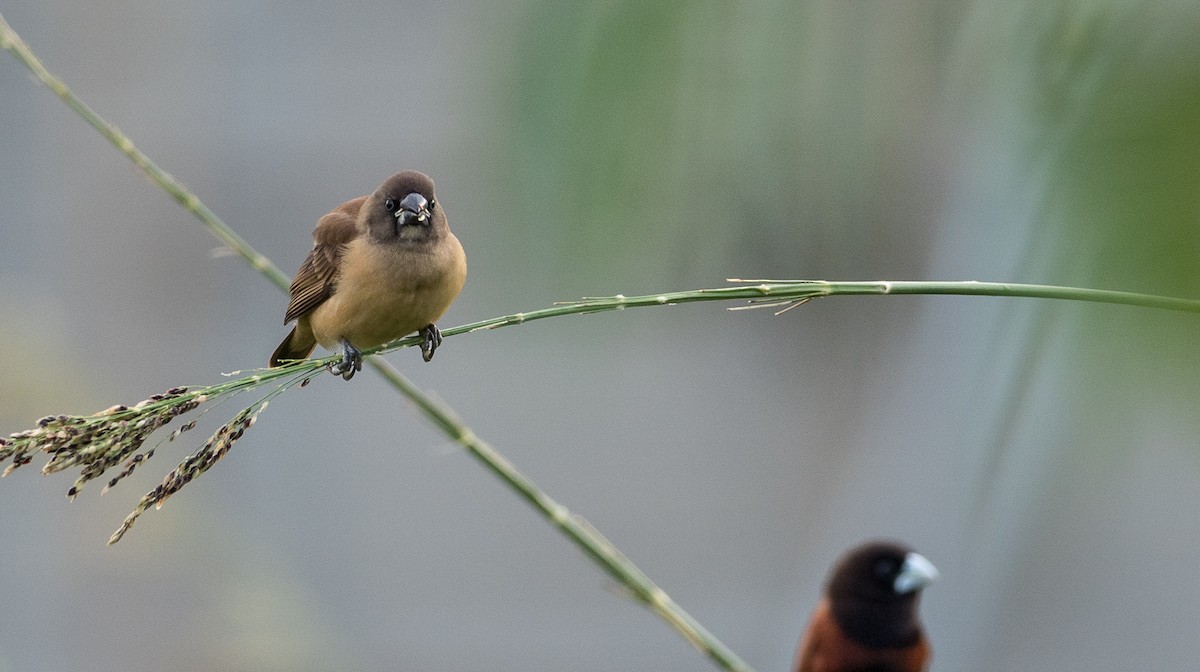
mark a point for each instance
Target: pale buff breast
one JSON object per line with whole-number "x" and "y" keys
{"x": 384, "y": 293}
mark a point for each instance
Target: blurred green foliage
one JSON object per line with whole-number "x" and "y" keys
{"x": 672, "y": 142}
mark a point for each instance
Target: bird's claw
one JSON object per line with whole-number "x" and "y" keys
{"x": 431, "y": 338}
{"x": 351, "y": 362}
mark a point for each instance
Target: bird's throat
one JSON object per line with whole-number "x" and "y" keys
{"x": 879, "y": 625}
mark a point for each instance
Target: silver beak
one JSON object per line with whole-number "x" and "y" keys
{"x": 915, "y": 574}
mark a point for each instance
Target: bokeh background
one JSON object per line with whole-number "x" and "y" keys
{"x": 1043, "y": 454}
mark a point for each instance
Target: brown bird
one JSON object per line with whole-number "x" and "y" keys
{"x": 382, "y": 266}
{"x": 867, "y": 620}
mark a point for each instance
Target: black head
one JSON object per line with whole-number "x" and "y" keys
{"x": 404, "y": 209}
{"x": 874, "y": 589}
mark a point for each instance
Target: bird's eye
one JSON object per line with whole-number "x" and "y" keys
{"x": 885, "y": 568}
{"x": 432, "y": 205}
{"x": 390, "y": 204}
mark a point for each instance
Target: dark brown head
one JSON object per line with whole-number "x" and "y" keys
{"x": 404, "y": 210}
{"x": 874, "y": 589}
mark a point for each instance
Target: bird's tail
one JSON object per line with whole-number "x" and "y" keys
{"x": 296, "y": 346}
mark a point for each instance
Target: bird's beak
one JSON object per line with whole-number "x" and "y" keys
{"x": 414, "y": 209}
{"x": 915, "y": 574}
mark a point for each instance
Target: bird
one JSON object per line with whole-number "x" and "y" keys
{"x": 382, "y": 266}
{"x": 867, "y": 620}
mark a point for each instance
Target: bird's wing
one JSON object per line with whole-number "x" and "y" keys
{"x": 823, "y": 645}
{"x": 317, "y": 278}
{"x": 808, "y": 650}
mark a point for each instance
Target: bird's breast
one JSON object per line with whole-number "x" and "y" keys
{"x": 383, "y": 291}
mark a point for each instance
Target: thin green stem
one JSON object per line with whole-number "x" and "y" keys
{"x": 787, "y": 293}
{"x": 590, "y": 540}
{"x": 575, "y": 528}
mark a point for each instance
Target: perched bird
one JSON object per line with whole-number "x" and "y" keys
{"x": 867, "y": 620}
{"x": 382, "y": 266}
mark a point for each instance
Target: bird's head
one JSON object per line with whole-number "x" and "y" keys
{"x": 874, "y": 590}
{"x": 404, "y": 209}
{"x": 881, "y": 572}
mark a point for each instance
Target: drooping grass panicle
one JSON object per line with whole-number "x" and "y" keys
{"x": 99, "y": 441}
{"x": 197, "y": 463}
{"x": 119, "y": 436}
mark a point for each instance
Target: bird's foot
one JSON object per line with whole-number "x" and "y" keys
{"x": 431, "y": 338}
{"x": 351, "y": 362}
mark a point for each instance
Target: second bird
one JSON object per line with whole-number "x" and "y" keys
{"x": 867, "y": 621}
{"x": 382, "y": 266}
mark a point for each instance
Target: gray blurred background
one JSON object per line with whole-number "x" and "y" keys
{"x": 1043, "y": 454}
